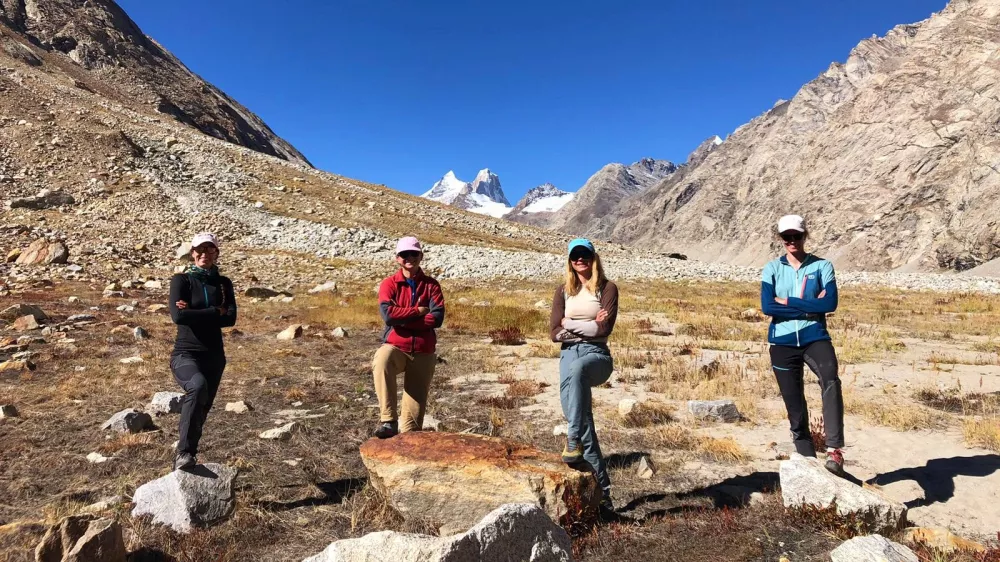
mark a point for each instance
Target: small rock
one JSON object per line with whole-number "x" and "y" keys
{"x": 752, "y": 315}
{"x": 42, "y": 252}
{"x": 645, "y": 470}
{"x": 81, "y": 318}
{"x": 431, "y": 423}
{"x": 26, "y": 323}
{"x": 166, "y": 403}
{"x": 128, "y": 421}
{"x": 157, "y": 307}
{"x": 113, "y": 294}
{"x": 97, "y": 458}
{"x": 140, "y": 334}
{"x": 73, "y": 299}
{"x": 290, "y": 333}
{"x": 13, "y": 255}
{"x": 12, "y": 313}
{"x": 103, "y": 505}
{"x": 16, "y": 366}
{"x": 339, "y": 332}
{"x": 626, "y": 406}
{"x": 941, "y": 539}
{"x": 153, "y": 285}
{"x": 282, "y": 433}
{"x": 261, "y": 293}
{"x": 8, "y": 411}
{"x": 328, "y": 287}
{"x": 541, "y": 304}
{"x": 291, "y": 462}
{"x": 200, "y": 496}
{"x": 872, "y": 548}
{"x": 131, "y": 360}
{"x": 560, "y": 429}
{"x": 714, "y": 410}
{"x": 240, "y": 407}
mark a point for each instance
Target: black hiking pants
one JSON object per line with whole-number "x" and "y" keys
{"x": 787, "y": 363}
{"x": 199, "y": 374}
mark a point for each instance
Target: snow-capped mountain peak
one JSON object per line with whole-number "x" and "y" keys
{"x": 545, "y": 198}
{"x": 483, "y": 195}
{"x": 447, "y": 189}
{"x": 487, "y": 183}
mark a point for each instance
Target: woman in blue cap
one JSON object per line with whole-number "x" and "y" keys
{"x": 584, "y": 310}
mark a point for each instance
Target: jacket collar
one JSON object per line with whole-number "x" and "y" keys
{"x": 399, "y": 278}
{"x": 784, "y": 260}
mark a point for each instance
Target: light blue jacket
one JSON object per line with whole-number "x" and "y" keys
{"x": 803, "y": 320}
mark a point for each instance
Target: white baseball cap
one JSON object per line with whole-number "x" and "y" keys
{"x": 204, "y": 238}
{"x": 791, "y": 222}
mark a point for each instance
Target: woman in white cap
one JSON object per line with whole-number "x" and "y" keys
{"x": 584, "y": 310}
{"x": 202, "y": 302}
{"x": 798, "y": 290}
{"x": 412, "y": 306}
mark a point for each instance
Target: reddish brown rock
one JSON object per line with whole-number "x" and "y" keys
{"x": 42, "y": 252}
{"x": 454, "y": 480}
{"x": 25, "y": 323}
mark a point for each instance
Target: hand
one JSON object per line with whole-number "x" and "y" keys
{"x": 780, "y": 300}
{"x": 563, "y": 322}
{"x": 223, "y": 310}
{"x": 181, "y": 305}
{"x": 423, "y": 310}
{"x": 602, "y": 315}
{"x": 821, "y": 294}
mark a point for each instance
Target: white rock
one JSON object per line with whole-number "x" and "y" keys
{"x": 560, "y": 429}
{"x": 200, "y": 496}
{"x": 626, "y": 406}
{"x": 714, "y": 410}
{"x": 339, "y": 332}
{"x": 645, "y": 469}
{"x": 153, "y": 285}
{"x": 282, "y": 433}
{"x": 805, "y": 481}
{"x": 512, "y": 532}
{"x": 140, "y": 334}
{"x": 431, "y": 423}
{"x": 103, "y": 505}
{"x": 131, "y": 360}
{"x": 240, "y": 407}
{"x": 128, "y": 421}
{"x": 166, "y": 403}
{"x": 328, "y": 287}
{"x": 872, "y": 548}
{"x": 97, "y": 458}
{"x": 290, "y": 333}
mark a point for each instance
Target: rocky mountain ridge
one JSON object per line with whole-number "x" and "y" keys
{"x": 483, "y": 195}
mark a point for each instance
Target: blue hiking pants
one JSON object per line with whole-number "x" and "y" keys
{"x": 582, "y": 366}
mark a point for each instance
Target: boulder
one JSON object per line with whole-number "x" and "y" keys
{"x": 283, "y": 433}
{"x": 521, "y": 532}
{"x": 200, "y": 496}
{"x": 455, "y": 479}
{"x": 42, "y": 252}
{"x": 240, "y": 407}
{"x": 805, "y": 481}
{"x": 290, "y": 333}
{"x": 183, "y": 251}
{"x": 339, "y": 332}
{"x": 26, "y": 323}
{"x": 260, "y": 293}
{"x": 128, "y": 421}
{"x": 82, "y": 538}
{"x": 714, "y": 410}
{"x": 8, "y": 411}
{"x": 16, "y": 366}
{"x": 12, "y": 313}
{"x": 872, "y": 548}
{"x": 941, "y": 539}
{"x": 166, "y": 403}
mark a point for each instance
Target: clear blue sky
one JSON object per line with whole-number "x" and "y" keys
{"x": 399, "y": 92}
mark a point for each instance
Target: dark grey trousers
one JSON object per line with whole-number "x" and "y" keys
{"x": 787, "y": 363}
{"x": 199, "y": 375}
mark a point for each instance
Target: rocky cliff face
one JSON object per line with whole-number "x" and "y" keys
{"x": 891, "y": 157}
{"x": 539, "y": 204}
{"x": 605, "y": 190}
{"x": 123, "y": 64}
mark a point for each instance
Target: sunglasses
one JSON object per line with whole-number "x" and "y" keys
{"x": 581, "y": 257}
{"x": 207, "y": 249}
{"x": 409, "y": 255}
{"x": 797, "y": 237}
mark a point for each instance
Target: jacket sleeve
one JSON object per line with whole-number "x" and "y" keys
{"x": 180, "y": 290}
{"x": 557, "y": 314}
{"x": 392, "y": 314}
{"x": 434, "y": 318}
{"x": 825, "y": 304}
{"x": 609, "y": 303}
{"x": 228, "y": 320}
{"x": 768, "y": 305}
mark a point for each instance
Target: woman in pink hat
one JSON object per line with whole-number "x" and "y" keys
{"x": 202, "y": 302}
{"x": 412, "y": 306}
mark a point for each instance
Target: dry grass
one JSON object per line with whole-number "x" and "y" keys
{"x": 508, "y": 335}
{"x": 646, "y": 414}
{"x": 889, "y": 412}
{"x": 545, "y": 350}
{"x": 982, "y": 432}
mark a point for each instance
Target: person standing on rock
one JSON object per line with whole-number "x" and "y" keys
{"x": 202, "y": 302}
{"x": 798, "y": 290}
{"x": 412, "y": 306}
{"x": 584, "y": 310}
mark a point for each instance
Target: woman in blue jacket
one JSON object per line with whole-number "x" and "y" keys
{"x": 797, "y": 291}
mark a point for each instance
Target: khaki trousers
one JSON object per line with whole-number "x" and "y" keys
{"x": 417, "y": 369}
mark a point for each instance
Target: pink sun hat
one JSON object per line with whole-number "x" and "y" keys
{"x": 408, "y": 244}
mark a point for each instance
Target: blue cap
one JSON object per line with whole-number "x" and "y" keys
{"x": 581, "y": 243}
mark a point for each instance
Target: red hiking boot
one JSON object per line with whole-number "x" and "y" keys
{"x": 835, "y": 462}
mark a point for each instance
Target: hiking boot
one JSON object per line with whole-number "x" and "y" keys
{"x": 835, "y": 461}
{"x": 184, "y": 460}
{"x": 386, "y": 430}
{"x": 606, "y": 509}
{"x": 572, "y": 453}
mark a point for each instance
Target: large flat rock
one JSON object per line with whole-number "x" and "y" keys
{"x": 806, "y": 482}
{"x": 872, "y": 548}
{"x": 521, "y": 532}
{"x": 454, "y": 480}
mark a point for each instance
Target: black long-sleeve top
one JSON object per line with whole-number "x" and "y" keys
{"x": 199, "y": 326}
